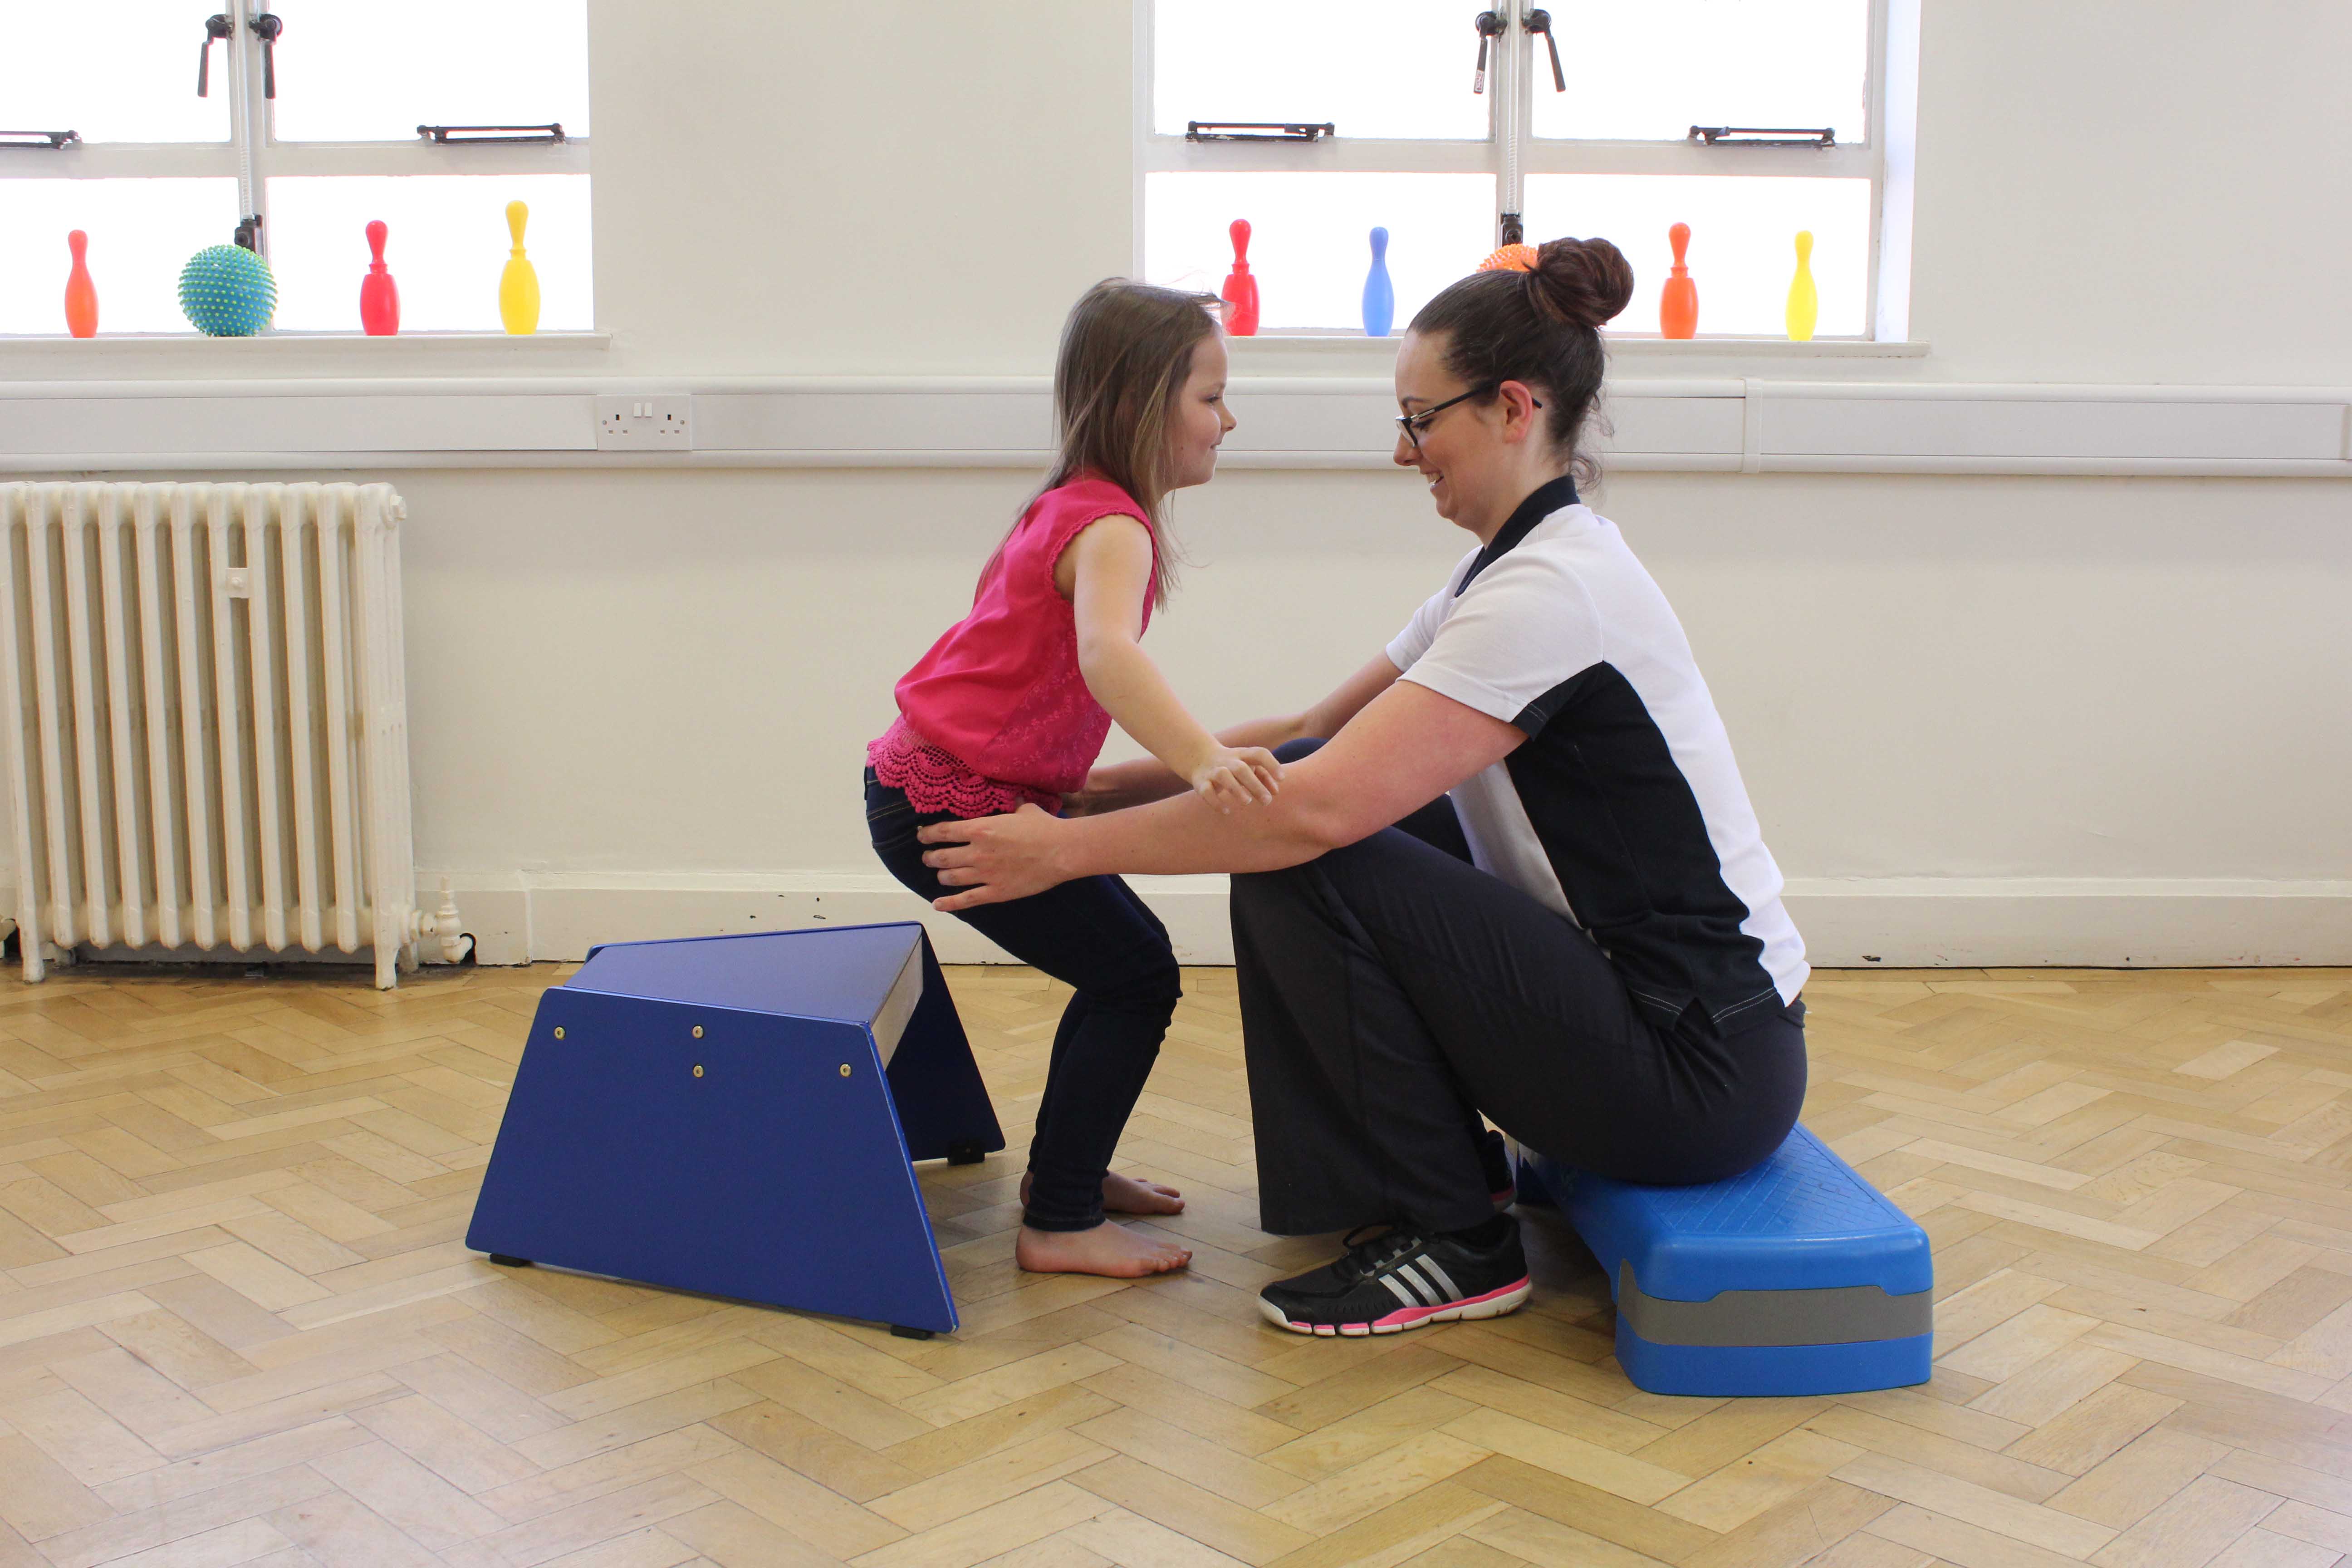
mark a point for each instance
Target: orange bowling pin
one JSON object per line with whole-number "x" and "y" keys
{"x": 81, "y": 290}
{"x": 1678, "y": 303}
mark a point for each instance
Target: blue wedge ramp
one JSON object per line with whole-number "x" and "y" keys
{"x": 740, "y": 1116}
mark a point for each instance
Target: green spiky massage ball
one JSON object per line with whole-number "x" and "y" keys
{"x": 226, "y": 291}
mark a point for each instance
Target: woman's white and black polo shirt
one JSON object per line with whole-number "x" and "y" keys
{"x": 1623, "y": 810}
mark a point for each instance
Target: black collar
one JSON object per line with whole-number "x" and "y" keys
{"x": 1547, "y": 499}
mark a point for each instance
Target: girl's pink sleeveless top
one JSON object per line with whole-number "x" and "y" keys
{"x": 997, "y": 713}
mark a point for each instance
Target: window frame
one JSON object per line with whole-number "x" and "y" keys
{"x": 1510, "y": 150}
{"x": 254, "y": 160}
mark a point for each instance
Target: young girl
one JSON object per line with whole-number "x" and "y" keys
{"x": 1011, "y": 707}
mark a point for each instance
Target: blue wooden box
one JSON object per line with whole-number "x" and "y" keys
{"x": 1795, "y": 1278}
{"x": 740, "y": 1116}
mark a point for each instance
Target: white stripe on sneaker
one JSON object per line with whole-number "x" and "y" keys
{"x": 1452, "y": 1291}
{"x": 1428, "y": 1293}
{"x": 1400, "y": 1292}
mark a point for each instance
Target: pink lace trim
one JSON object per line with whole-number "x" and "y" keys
{"x": 937, "y": 779}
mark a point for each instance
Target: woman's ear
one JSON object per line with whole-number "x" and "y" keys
{"x": 1519, "y": 405}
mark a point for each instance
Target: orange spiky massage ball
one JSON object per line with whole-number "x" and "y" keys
{"x": 1510, "y": 258}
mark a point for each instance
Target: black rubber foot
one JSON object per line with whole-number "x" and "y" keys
{"x": 966, "y": 1152}
{"x": 904, "y": 1332}
{"x": 503, "y": 1261}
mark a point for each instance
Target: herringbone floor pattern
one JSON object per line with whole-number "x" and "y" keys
{"x": 238, "y": 1323}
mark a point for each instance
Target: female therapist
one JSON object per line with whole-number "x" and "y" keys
{"x": 1521, "y": 878}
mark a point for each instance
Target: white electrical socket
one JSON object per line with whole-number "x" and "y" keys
{"x": 661, "y": 424}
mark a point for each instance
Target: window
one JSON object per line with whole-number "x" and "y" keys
{"x": 1316, "y": 124}
{"x": 310, "y": 121}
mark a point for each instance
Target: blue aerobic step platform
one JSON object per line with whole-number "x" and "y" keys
{"x": 740, "y": 1116}
{"x": 1795, "y": 1278}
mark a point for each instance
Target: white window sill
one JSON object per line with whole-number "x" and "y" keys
{"x": 1336, "y": 351}
{"x": 192, "y": 352}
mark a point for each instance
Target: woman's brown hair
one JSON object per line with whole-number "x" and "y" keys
{"x": 1541, "y": 327}
{"x": 1126, "y": 351}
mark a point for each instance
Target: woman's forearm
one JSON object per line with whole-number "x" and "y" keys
{"x": 1175, "y": 836}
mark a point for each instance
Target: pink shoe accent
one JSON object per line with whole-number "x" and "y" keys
{"x": 1406, "y": 1317}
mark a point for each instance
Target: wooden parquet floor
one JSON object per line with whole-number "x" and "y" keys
{"x": 238, "y": 1323}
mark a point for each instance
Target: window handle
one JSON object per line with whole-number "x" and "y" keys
{"x": 216, "y": 27}
{"x": 1490, "y": 26}
{"x": 266, "y": 27}
{"x": 1540, "y": 21}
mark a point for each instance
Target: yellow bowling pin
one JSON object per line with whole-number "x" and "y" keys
{"x": 1804, "y": 300}
{"x": 518, "y": 286}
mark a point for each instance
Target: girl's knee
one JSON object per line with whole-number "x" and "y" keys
{"x": 1150, "y": 991}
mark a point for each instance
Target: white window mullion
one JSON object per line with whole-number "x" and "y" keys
{"x": 124, "y": 161}
{"x": 1509, "y": 84}
{"x": 248, "y": 114}
{"x": 1695, "y": 158}
{"x": 287, "y": 159}
{"x": 1338, "y": 155}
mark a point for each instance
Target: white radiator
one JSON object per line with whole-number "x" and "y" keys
{"x": 211, "y": 739}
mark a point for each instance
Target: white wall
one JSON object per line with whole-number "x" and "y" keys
{"x": 1984, "y": 719}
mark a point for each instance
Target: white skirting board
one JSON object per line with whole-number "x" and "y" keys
{"x": 1860, "y": 923}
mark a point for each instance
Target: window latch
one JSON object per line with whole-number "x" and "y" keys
{"x": 55, "y": 141}
{"x": 468, "y": 135}
{"x": 1256, "y": 131}
{"x": 217, "y": 27}
{"x": 1490, "y": 27}
{"x": 1758, "y": 136}
{"x": 268, "y": 28}
{"x": 1540, "y": 21}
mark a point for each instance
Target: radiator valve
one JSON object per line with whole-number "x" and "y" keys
{"x": 442, "y": 926}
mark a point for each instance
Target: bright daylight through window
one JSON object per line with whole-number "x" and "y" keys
{"x": 1448, "y": 124}
{"x": 309, "y": 120}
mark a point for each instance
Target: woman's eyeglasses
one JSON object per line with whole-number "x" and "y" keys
{"x": 1416, "y": 425}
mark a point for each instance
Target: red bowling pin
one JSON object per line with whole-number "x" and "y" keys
{"x": 1241, "y": 288}
{"x": 82, "y": 291}
{"x": 379, "y": 295}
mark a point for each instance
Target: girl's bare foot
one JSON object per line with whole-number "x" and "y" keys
{"x": 1107, "y": 1249}
{"x": 1131, "y": 1194}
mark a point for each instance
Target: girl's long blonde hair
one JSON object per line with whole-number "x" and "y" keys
{"x": 1126, "y": 352}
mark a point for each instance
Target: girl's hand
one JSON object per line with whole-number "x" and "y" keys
{"x": 1230, "y": 777}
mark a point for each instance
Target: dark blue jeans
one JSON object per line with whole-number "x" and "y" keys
{"x": 1095, "y": 936}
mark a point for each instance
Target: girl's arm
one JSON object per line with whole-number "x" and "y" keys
{"x": 1108, "y": 568}
{"x": 1145, "y": 779}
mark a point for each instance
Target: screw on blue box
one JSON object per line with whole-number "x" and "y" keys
{"x": 1795, "y": 1278}
{"x": 740, "y": 1116}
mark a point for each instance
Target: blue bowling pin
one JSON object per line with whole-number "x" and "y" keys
{"x": 1379, "y": 294}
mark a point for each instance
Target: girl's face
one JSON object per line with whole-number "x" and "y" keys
{"x": 1480, "y": 457}
{"x": 1199, "y": 421}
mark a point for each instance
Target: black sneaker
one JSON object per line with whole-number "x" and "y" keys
{"x": 1402, "y": 1279}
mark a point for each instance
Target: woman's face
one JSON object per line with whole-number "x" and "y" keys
{"x": 1477, "y": 456}
{"x": 1199, "y": 420}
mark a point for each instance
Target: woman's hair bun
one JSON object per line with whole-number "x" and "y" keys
{"x": 1583, "y": 282}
